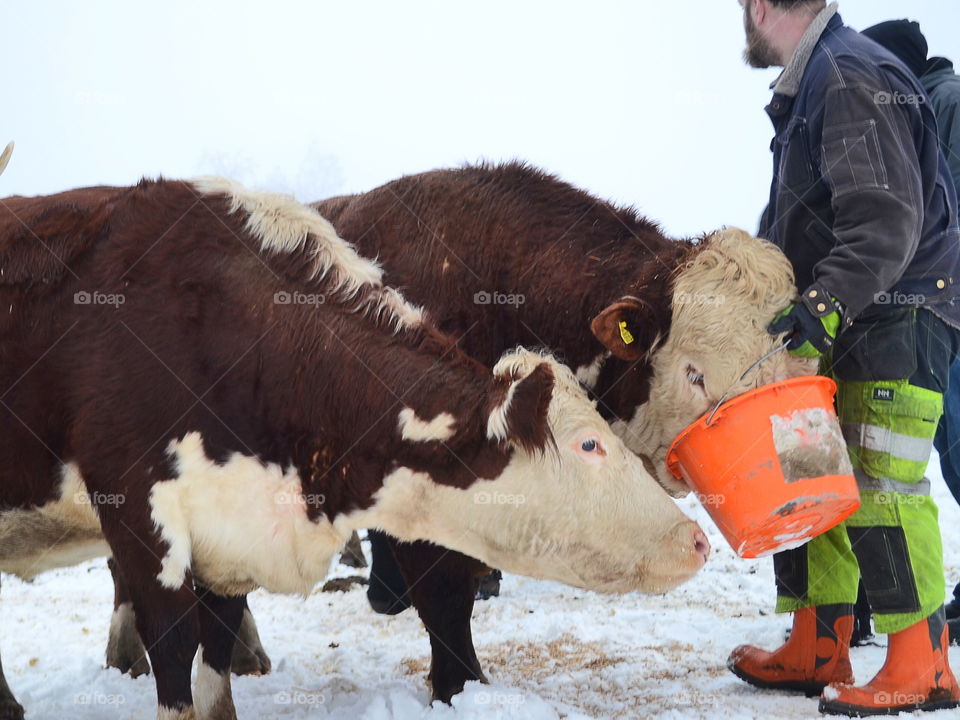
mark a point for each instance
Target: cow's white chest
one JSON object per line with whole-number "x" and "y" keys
{"x": 239, "y": 525}
{"x": 61, "y": 533}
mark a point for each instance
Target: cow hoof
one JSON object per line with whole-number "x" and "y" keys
{"x": 489, "y": 585}
{"x": 249, "y": 657}
{"x": 352, "y": 554}
{"x": 444, "y": 692}
{"x": 129, "y": 660}
{"x": 125, "y": 650}
{"x": 11, "y": 710}
{"x": 140, "y": 666}
{"x": 128, "y": 663}
{"x": 246, "y": 661}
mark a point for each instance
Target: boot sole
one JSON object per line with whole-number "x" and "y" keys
{"x": 807, "y": 688}
{"x": 838, "y": 708}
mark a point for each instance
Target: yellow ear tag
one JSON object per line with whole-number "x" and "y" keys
{"x": 624, "y": 333}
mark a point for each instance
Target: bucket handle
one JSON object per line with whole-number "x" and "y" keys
{"x": 746, "y": 372}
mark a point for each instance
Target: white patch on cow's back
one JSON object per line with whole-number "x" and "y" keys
{"x": 588, "y": 375}
{"x": 284, "y": 225}
{"x": 414, "y": 429}
{"x": 388, "y": 301}
{"x": 239, "y": 525}
{"x": 407, "y": 314}
{"x": 60, "y": 533}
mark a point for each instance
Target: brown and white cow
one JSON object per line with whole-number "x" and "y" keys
{"x": 657, "y": 329}
{"x": 211, "y": 385}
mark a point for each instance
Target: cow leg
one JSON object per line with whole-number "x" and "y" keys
{"x": 249, "y": 657}
{"x": 387, "y": 591}
{"x": 10, "y": 709}
{"x": 168, "y": 623}
{"x": 167, "y": 618}
{"x": 442, "y": 585}
{"x": 220, "y": 619}
{"x": 124, "y": 648}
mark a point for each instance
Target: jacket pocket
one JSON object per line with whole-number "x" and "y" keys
{"x": 852, "y": 159}
{"x": 878, "y": 346}
{"x": 796, "y": 168}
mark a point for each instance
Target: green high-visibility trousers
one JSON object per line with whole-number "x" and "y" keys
{"x": 893, "y": 540}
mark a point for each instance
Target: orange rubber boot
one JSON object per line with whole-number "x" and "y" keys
{"x": 816, "y": 654}
{"x": 915, "y": 676}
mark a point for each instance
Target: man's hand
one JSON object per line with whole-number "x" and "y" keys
{"x": 809, "y": 335}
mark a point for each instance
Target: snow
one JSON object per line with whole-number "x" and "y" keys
{"x": 550, "y": 651}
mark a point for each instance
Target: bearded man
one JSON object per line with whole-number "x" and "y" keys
{"x": 862, "y": 205}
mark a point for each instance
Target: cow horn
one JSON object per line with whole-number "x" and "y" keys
{"x": 5, "y": 158}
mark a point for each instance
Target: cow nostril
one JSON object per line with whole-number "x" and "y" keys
{"x": 700, "y": 544}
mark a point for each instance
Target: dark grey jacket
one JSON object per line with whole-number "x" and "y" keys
{"x": 943, "y": 86}
{"x": 861, "y": 200}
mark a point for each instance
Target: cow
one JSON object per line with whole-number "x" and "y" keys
{"x": 658, "y": 330}
{"x": 208, "y": 384}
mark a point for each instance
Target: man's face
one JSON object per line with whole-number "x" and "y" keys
{"x": 759, "y": 53}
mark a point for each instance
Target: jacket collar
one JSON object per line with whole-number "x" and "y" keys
{"x": 789, "y": 81}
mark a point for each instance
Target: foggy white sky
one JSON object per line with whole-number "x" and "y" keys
{"x": 643, "y": 102}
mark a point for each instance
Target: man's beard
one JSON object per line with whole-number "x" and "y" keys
{"x": 759, "y": 53}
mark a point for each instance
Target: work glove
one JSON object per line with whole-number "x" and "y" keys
{"x": 811, "y": 324}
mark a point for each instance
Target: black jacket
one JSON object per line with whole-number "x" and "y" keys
{"x": 943, "y": 86}
{"x": 861, "y": 200}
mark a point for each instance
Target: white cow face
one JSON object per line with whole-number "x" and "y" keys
{"x": 724, "y": 298}
{"x": 582, "y": 509}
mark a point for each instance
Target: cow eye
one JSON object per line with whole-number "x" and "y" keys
{"x": 694, "y": 376}
{"x": 588, "y": 445}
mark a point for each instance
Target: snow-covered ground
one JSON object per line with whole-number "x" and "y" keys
{"x": 550, "y": 651}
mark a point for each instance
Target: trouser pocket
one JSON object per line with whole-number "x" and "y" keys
{"x": 879, "y": 346}
{"x": 889, "y": 427}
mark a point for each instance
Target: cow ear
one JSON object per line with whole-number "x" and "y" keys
{"x": 627, "y": 328}
{"x": 519, "y": 414}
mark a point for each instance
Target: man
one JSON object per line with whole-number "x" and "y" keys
{"x": 861, "y": 204}
{"x": 905, "y": 40}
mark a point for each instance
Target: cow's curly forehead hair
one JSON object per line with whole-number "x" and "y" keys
{"x": 732, "y": 266}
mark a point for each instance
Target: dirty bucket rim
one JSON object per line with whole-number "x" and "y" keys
{"x": 700, "y": 423}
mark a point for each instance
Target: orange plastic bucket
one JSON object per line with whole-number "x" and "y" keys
{"x": 770, "y": 466}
